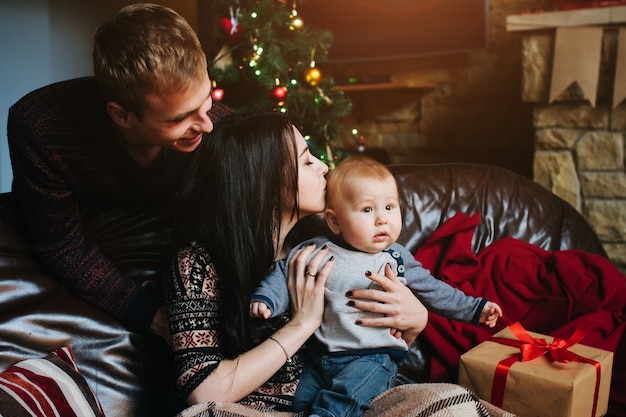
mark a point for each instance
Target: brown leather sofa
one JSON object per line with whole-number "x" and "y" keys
{"x": 130, "y": 372}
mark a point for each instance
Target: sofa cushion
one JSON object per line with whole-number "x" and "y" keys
{"x": 50, "y": 386}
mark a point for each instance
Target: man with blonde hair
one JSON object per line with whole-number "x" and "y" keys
{"x": 119, "y": 139}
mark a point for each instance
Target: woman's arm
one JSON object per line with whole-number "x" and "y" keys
{"x": 234, "y": 379}
{"x": 403, "y": 313}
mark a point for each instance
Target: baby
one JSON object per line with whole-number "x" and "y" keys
{"x": 348, "y": 364}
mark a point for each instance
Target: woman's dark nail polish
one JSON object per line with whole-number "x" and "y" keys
{"x": 368, "y": 273}
{"x": 358, "y": 322}
{"x": 324, "y": 247}
{"x": 331, "y": 258}
{"x": 350, "y": 303}
{"x": 348, "y": 293}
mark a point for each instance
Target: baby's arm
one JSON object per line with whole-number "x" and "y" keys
{"x": 271, "y": 298}
{"x": 490, "y": 314}
{"x": 260, "y": 310}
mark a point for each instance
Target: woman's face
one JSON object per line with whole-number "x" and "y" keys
{"x": 311, "y": 179}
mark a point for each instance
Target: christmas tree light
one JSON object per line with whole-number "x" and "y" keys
{"x": 267, "y": 63}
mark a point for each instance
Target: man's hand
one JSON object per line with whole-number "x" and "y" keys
{"x": 160, "y": 326}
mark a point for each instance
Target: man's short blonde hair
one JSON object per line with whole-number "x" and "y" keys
{"x": 146, "y": 49}
{"x": 353, "y": 167}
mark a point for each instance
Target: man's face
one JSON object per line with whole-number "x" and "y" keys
{"x": 175, "y": 120}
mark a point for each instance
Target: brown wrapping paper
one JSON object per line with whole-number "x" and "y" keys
{"x": 540, "y": 387}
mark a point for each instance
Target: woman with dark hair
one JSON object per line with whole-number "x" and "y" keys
{"x": 245, "y": 189}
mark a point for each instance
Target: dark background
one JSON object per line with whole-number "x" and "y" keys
{"x": 366, "y": 30}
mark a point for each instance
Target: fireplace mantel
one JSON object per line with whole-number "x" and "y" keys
{"x": 598, "y": 16}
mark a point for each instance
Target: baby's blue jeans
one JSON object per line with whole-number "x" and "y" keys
{"x": 343, "y": 385}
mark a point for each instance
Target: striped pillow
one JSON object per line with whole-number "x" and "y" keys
{"x": 50, "y": 386}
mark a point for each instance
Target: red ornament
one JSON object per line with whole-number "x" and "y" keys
{"x": 217, "y": 94}
{"x": 233, "y": 29}
{"x": 278, "y": 94}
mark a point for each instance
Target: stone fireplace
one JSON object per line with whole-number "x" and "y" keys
{"x": 579, "y": 134}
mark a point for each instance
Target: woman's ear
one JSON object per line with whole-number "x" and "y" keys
{"x": 119, "y": 114}
{"x": 331, "y": 221}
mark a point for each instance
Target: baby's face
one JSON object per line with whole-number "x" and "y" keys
{"x": 368, "y": 214}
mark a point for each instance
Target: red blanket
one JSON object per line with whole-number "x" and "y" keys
{"x": 547, "y": 292}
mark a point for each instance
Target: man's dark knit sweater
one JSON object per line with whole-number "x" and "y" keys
{"x": 66, "y": 157}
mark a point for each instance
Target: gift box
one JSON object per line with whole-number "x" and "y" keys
{"x": 532, "y": 375}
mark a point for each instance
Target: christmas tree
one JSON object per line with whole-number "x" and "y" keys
{"x": 267, "y": 62}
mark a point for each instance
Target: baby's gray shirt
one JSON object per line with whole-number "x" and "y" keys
{"x": 339, "y": 331}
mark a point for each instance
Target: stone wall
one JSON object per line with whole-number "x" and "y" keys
{"x": 462, "y": 107}
{"x": 579, "y": 148}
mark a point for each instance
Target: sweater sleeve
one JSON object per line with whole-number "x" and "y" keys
{"x": 219, "y": 111}
{"x": 273, "y": 289}
{"x": 438, "y": 296}
{"x": 192, "y": 301}
{"x": 52, "y": 215}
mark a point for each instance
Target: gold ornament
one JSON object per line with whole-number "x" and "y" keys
{"x": 312, "y": 76}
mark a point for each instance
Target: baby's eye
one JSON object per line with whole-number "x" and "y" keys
{"x": 367, "y": 210}
{"x": 388, "y": 207}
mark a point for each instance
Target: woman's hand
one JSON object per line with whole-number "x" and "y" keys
{"x": 306, "y": 285}
{"x": 403, "y": 313}
{"x": 233, "y": 379}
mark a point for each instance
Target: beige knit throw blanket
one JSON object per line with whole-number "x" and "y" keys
{"x": 412, "y": 400}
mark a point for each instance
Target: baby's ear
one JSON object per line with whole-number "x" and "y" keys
{"x": 331, "y": 221}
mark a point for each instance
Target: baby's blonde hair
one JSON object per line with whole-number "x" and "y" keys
{"x": 353, "y": 167}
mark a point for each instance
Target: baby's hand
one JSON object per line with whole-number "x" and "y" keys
{"x": 259, "y": 310}
{"x": 491, "y": 313}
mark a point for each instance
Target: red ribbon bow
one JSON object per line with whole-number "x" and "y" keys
{"x": 532, "y": 348}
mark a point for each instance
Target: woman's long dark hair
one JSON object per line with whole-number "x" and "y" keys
{"x": 230, "y": 201}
